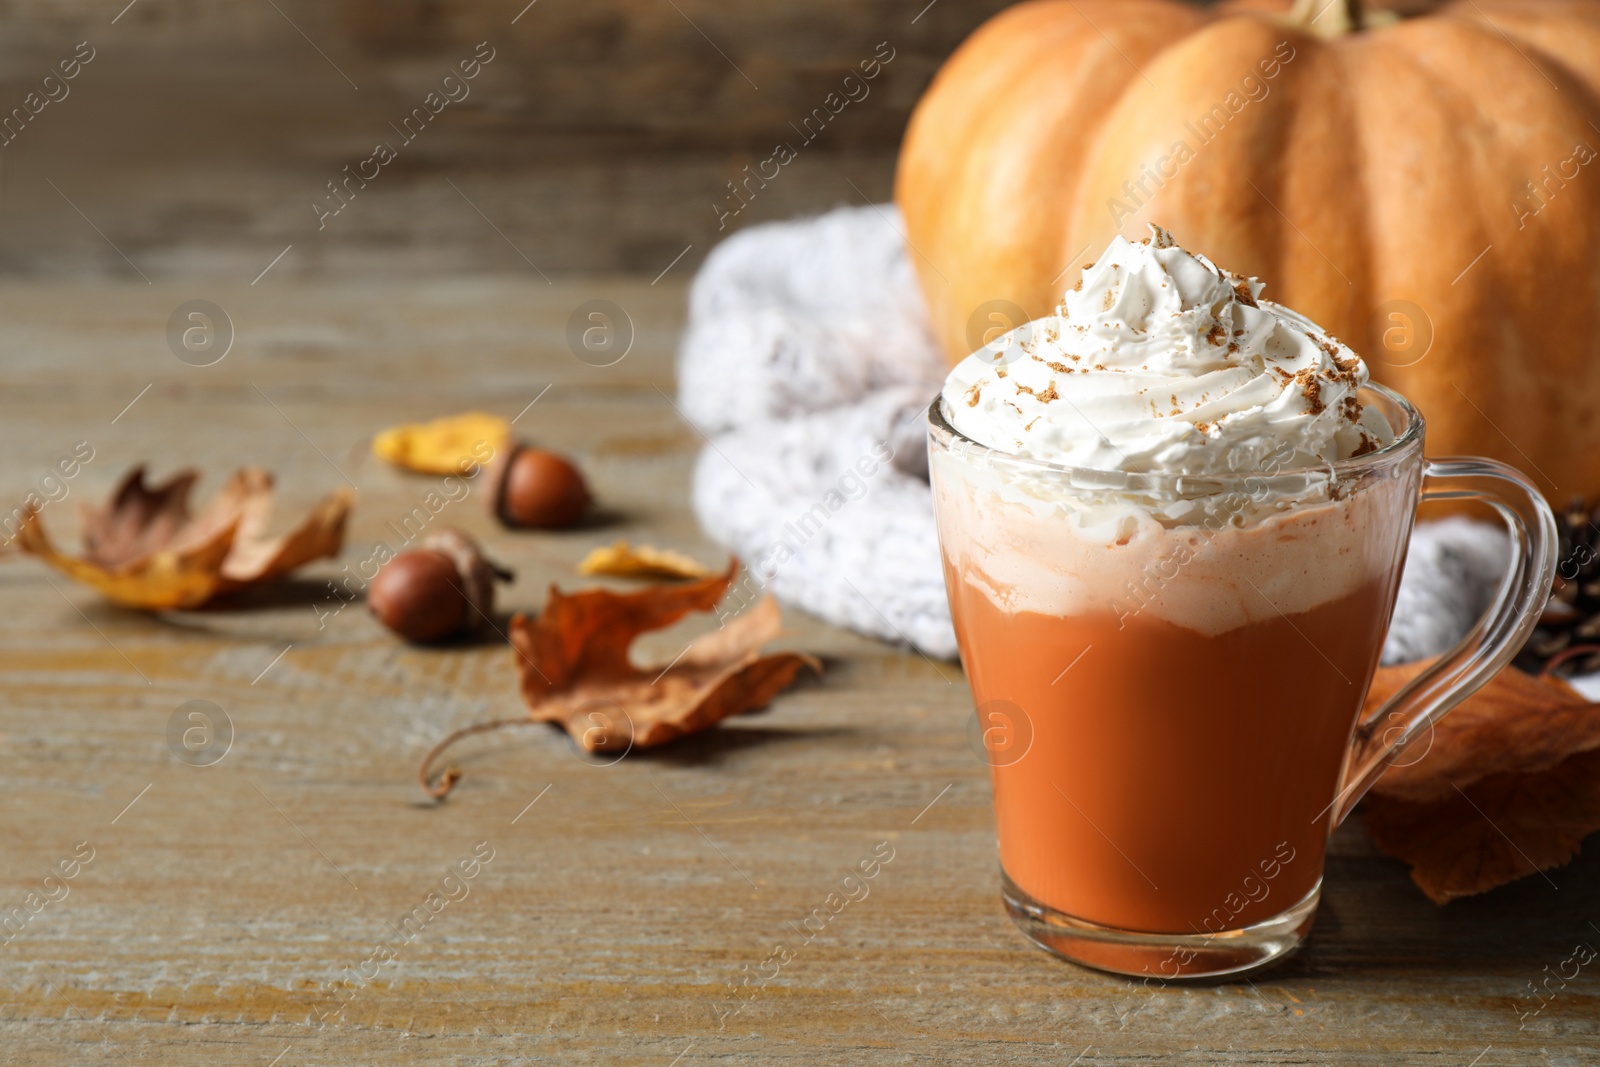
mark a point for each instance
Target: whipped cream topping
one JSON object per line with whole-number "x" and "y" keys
{"x": 1159, "y": 361}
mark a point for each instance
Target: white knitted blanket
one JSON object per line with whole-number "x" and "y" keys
{"x": 808, "y": 363}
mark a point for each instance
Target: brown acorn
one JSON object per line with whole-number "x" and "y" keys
{"x": 433, "y": 592}
{"x": 532, "y": 488}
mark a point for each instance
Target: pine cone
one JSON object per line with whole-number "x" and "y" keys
{"x": 1569, "y": 627}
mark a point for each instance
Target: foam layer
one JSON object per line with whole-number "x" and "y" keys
{"x": 1234, "y": 564}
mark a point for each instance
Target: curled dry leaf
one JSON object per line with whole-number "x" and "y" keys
{"x": 576, "y": 672}
{"x": 449, "y": 445}
{"x": 1509, "y": 785}
{"x": 143, "y": 549}
{"x": 623, "y": 560}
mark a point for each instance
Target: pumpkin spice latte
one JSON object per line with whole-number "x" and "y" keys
{"x": 1170, "y": 587}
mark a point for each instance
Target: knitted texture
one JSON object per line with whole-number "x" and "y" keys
{"x": 808, "y": 363}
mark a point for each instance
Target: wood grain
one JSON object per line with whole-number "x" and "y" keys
{"x": 222, "y": 909}
{"x": 600, "y": 138}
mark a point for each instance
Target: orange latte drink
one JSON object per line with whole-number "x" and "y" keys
{"x": 1183, "y": 748}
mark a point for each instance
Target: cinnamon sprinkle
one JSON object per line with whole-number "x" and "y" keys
{"x": 1307, "y": 381}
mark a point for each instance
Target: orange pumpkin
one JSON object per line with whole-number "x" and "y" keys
{"x": 1426, "y": 188}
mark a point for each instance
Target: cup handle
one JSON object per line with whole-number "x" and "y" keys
{"x": 1489, "y": 645}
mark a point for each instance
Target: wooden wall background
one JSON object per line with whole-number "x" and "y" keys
{"x": 598, "y": 140}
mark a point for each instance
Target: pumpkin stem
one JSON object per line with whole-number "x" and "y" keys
{"x": 1328, "y": 18}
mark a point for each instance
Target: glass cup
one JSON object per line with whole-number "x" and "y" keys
{"x": 1169, "y": 674}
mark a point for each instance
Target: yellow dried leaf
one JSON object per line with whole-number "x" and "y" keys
{"x": 144, "y": 550}
{"x": 453, "y": 445}
{"x": 160, "y": 581}
{"x": 623, "y": 560}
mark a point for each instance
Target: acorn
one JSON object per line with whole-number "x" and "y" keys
{"x": 532, "y": 488}
{"x": 441, "y": 589}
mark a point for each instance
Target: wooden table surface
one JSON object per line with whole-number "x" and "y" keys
{"x": 225, "y": 904}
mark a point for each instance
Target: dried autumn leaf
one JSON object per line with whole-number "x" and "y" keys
{"x": 1499, "y": 829}
{"x": 257, "y": 559}
{"x": 143, "y": 549}
{"x": 576, "y": 671}
{"x": 623, "y": 560}
{"x": 450, "y": 445}
{"x": 1509, "y": 785}
{"x": 1517, "y": 723}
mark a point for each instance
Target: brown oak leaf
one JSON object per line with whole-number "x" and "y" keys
{"x": 1508, "y": 785}
{"x": 144, "y": 549}
{"x": 576, "y": 671}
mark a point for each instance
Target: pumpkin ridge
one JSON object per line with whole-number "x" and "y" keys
{"x": 1585, "y": 78}
{"x": 1095, "y": 129}
{"x": 1071, "y": 243}
{"x": 1512, "y": 320}
{"x": 1482, "y": 23}
{"x": 1455, "y": 110}
{"x": 1496, "y": 377}
{"x": 1361, "y": 272}
{"x": 954, "y": 137}
{"x": 940, "y": 120}
{"x": 1323, "y": 63}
